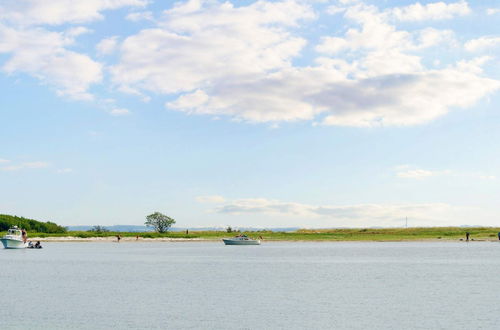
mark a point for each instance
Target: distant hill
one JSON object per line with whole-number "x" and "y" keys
{"x": 7, "y": 221}
{"x": 140, "y": 229}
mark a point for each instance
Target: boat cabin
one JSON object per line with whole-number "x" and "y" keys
{"x": 14, "y": 231}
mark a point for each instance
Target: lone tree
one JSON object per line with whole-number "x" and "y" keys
{"x": 160, "y": 222}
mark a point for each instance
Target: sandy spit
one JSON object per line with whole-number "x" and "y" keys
{"x": 166, "y": 239}
{"x": 113, "y": 239}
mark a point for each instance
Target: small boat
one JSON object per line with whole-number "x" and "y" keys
{"x": 13, "y": 239}
{"x": 37, "y": 245}
{"x": 241, "y": 240}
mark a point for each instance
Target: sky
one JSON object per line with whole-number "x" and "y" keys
{"x": 293, "y": 113}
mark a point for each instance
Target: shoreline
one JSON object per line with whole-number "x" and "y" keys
{"x": 111, "y": 239}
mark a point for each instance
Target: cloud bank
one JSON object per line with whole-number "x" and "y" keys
{"x": 239, "y": 62}
{"x": 358, "y": 215}
{"x": 258, "y": 61}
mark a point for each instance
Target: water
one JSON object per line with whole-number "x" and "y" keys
{"x": 272, "y": 286}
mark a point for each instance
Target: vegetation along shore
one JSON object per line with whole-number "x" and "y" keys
{"x": 52, "y": 232}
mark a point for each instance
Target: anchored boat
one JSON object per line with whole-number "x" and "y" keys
{"x": 241, "y": 240}
{"x": 13, "y": 239}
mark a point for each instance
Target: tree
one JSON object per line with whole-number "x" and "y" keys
{"x": 99, "y": 229}
{"x": 160, "y": 222}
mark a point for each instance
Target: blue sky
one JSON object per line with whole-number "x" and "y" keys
{"x": 265, "y": 114}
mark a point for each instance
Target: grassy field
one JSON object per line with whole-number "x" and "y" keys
{"x": 386, "y": 234}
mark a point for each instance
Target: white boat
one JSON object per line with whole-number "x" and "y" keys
{"x": 13, "y": 239}
{"x": 241, "y": 240}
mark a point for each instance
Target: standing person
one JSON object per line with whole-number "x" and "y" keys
{"x": 187, "y": 232}
{"x": 137, "y": 238}
{"x": 467, "y": 235}
{"x": 499, "y": 235}
{"x": 118, "y": 237}
{"x": 24, "y": 234}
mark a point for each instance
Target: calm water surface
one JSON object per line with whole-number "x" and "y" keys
{"x": 273, "y": 286}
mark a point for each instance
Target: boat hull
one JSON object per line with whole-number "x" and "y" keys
{"x": 240, "y": 242}
{"x": 13, "y": 243}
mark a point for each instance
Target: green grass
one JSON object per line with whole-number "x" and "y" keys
{"x": 386, "y": 234}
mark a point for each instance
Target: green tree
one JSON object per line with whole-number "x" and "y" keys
{"x": 160, "y": 222}
{"x": 99, "y": 229}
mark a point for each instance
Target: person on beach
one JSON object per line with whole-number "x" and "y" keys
{"x": 118, "y": 238}
{"x": 467, "y": 235}
{"x": 137, "y": 238}
{"x": 499, "y": 235}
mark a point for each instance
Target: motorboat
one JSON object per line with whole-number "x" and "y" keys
{"x": 241, "y": 240}
{"x": 13, "y": 239}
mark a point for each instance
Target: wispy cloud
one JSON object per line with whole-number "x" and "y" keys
{"x": 413, "y": 172}
{"x": 33, "y": 47}
{"x": 27, "y": 165}
{"x": 211, "y": 199}
{"x": 346, "y": 215}
{"x": 140, "y": 16}
{"x": 120, "y": 112}
{"x": 431, "y": 11}
{"x": 107, "y": 46}
{"x": 492, "y": 11}
{"x": 481, "y": 44}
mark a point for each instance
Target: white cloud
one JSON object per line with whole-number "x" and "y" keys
{"x": 119, "y": 112}
{"x": 430, "y": 214}
{"x": 56, "y": 12}
{"x": 43, "y": 54}
{"x": 415, "y": 174}
{"x": 140, "y": 16}
{"x": 492, "y": 11}
{"x": 303, "y": 94}
{"x": 218, "y": 59}
{"x": 385, "y": 84}
{"x": 3, "y": 161}
{"x": 211, "y": 199}
{"x": 201, "y": 43}
{"x": 482, "y": 43}
{"x": 26, "y": 165}
{"x": 107, "y": 46}
{"x": 431, "y": 11}
{"x": 412, "y": 172}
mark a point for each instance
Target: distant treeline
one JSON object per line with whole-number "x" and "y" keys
{"x": 7, "y": 221}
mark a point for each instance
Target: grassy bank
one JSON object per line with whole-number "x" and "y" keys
{"x": 386, "y": 234}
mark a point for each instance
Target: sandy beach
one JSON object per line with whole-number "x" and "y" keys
{"x": 168, "y": 239}
{"x": 113, "y": 239}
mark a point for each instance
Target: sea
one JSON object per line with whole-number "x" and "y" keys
{"x": 277, "y": 285}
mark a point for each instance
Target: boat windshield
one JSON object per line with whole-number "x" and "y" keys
{"x": 14, "y": 232}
